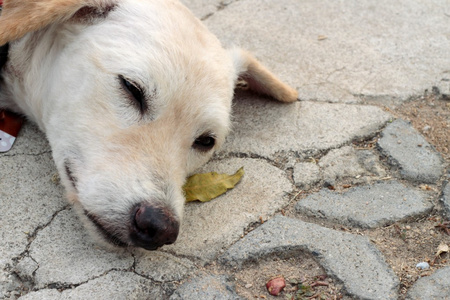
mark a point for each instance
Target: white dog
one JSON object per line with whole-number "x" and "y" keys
{"x": 133, "y": 95}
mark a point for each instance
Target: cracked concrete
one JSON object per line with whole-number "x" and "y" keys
{"x": 255, "y": 197}
{"x": 163, "y": 267}
{"x": 113, "y": 285}
{"x": 302, "y": 127}
{"x": 376, "y": 49}
{"x": 341, "y": 56}
{"x": 35, "y": 144}
{"x": 32, "y": 199}
{"x": 207, "y": 287}
{"x": 64, "y": 245}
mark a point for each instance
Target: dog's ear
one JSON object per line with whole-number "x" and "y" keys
{"x": 22, "y": 16}
{"x": 252, "y": 75}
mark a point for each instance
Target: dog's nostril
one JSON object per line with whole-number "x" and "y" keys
{"x": 145, "y": 222}
{"x": 153, "y": 226}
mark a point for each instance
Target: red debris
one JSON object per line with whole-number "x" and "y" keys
{"x": 275, "y": 285}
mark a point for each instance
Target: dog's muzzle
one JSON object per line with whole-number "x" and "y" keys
{"x": 149, "y": 227}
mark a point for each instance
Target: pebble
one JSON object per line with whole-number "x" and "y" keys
{"x": 423, "y": 266}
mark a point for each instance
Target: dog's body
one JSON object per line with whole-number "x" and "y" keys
{"x": 133, "y": 95}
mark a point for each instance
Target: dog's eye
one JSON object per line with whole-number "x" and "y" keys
{"x": 204, "y": 142}
{"x": 136, "y": 92}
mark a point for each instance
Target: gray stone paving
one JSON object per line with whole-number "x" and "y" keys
{"x": 352, "y": 165}
{"x": 352, "y": 259}
{"x": 27, "y": 187}
{"x": 211, "y": 227}
{"x": 64, "y": 245}
{"x": 347, "y": 59}
{"x": 301, "y": 127}
{"x": 369, "y": 206}
{"x": 434, "y": 287}
{"x": 407, "y": 149}
{"x": 207, "y": 287}
{"x": 114, "y": 285}
{"x": 163, "y": 267}
{"x": 306, "y": 174}
{"x": 446, "y": 200}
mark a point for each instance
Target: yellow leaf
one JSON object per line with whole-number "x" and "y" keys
{"x": 207, "y": 186}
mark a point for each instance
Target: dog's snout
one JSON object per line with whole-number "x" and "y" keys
{"x": 153, "y": 226}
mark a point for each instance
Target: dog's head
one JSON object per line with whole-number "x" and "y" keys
{"x": 133, "y": 95}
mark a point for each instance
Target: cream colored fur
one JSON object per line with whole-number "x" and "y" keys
{"x": 63, "y": 74}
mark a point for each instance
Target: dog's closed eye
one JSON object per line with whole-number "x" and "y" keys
{"x": 204, "y": 143}
{"x": 135, "y": 92}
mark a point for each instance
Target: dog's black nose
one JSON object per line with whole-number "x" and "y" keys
{"x": 153, "y": 226}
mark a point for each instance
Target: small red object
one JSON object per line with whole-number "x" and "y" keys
{"x": 1, "y": 2}
{"x": 276, "y": 285}
{"x": 10, "y": 124}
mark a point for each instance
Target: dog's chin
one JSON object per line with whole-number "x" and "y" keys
{"x": 98, "y": 230}
{"x": 102, "y": 230}
{"x": 96, "y": 227}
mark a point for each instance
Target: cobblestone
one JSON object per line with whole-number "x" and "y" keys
{"x": 434, "y": 287}
{"x": 368, "y": 206}
{"x": 407, "y": 149}
{"x": 352, "y": 259}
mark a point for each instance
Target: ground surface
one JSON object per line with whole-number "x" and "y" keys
{"x": 360, "y": 69}
{"x": 404, "y": 243}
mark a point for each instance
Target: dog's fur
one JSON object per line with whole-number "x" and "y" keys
{"x": 66, "y": 68}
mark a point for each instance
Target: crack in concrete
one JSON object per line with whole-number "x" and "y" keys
{"x": 333, "y": 72}
{"x": 26, "y": 154}
{"x": 285, "y": 160}
{"x": 61, "y": 286}
{"x": 32, "y": 236}
{"x": 152, "y": 279}
{"x": 221, "y": 6}
{"x": 30, "y": 282}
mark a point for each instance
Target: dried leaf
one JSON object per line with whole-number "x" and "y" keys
{"x": 425, "y": 187}
{"x": 443, "y": 248}
{"x": 207, "y": 186}
{"x": 331, "y": 187}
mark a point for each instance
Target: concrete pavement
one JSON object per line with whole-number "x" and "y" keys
{"x": 347, "y": 59}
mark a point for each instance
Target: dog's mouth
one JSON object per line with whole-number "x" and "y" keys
{"x": 69, "y": 173}
{"x": 101, "y": 228}
{"x": 147, "y": 224}
{"x": 107, "y": 235}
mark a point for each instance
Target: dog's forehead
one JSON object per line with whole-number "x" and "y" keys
{"x": 167, "y": 26}
{"x": 162, "y": 43}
